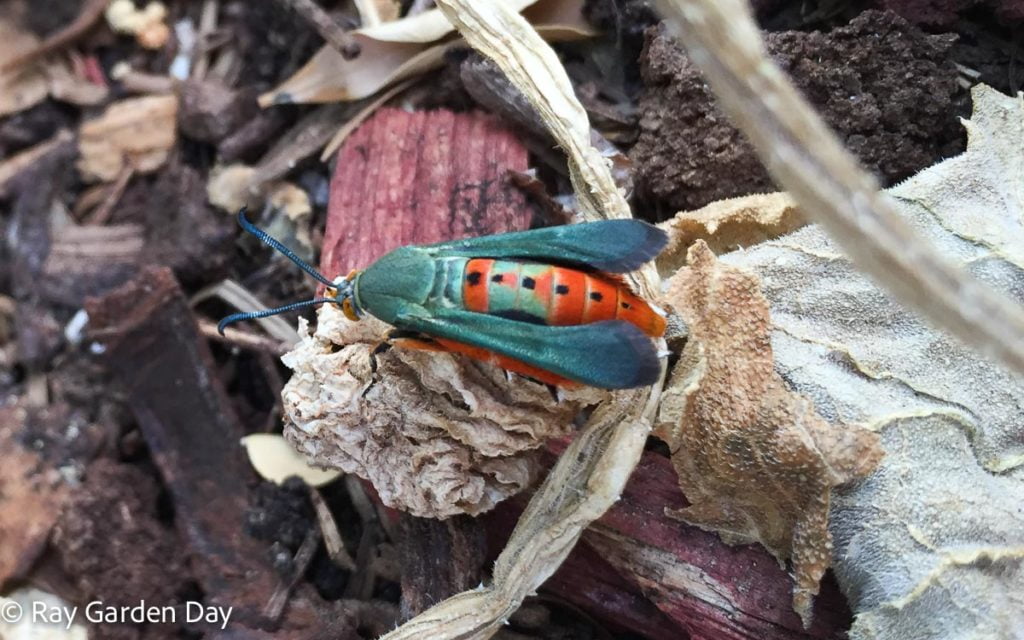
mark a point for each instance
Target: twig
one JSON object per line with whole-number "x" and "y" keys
{"x": 805, "y": 157}
{"x": 329, "y": 528}
{"x": 102, "y": 213}
{"x": 243, "y": 339}
{"x": 91, "y": 11}
{"x": 328, "y": 29}
{"x": 207, "y": 25}
{"x": 275, "y": 606}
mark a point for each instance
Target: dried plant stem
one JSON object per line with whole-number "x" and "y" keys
{"x": 325, "y": 25}
{"x": 591, "y": 474}
{"x": 805, "y": 157}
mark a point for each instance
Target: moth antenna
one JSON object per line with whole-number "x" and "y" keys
{"x": 253, "y": 315}
{"x": 276, "y": 244}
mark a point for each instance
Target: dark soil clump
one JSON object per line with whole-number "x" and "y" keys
{"x": 887, "y": 89}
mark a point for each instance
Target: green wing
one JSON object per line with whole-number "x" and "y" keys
{"x": 612, "y": 354}
{"x": 614, "y": 246}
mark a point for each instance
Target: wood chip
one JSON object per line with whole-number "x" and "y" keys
{"x": 139, "y": 131}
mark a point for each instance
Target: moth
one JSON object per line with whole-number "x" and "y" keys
{"x": 549, "y": 304}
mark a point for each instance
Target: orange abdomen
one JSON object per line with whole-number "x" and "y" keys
{"x": 553, "y": 295}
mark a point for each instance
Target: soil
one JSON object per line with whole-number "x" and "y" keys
{"x": 888, "y": 90}
{"x": 137, "y": 414}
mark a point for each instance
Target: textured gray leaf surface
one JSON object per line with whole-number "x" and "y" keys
{"x": 932, "y": 544}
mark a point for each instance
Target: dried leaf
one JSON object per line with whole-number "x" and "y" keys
{"x": 931, "y": 545}
{"x": 136, "y": 131}
{"x": 728, "y": 225}
{"x": 437, "y": 438}
{"x": 755, "y": 460}
{"x": 400, "y": 49}
{"x": 276, "y": 461}
{"x": 24, "y": 86}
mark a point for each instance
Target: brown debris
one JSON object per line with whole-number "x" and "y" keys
{"x": 111, "y": 544}
{"x": 32, "y": 495}
{"x": 136, "y": 131}
{"x": 438, "y": 559}
{"x": 755, "y": 460}
{"x": 210, "y": 110}
{"x": 149, "y": 338}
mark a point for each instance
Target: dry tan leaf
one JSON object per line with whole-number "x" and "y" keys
{"x": 728, "y": 225}
{"x": 24, "y": 86}
{"x": 136, "y": 131}
{"x": 229, "y": 187}
{"x": 437, "y": 439}
{"x": 931, "y": 545}
{"x": 401, "y": 49}
{"x": 755, "y": 460}
{"x": 276, "y": 461}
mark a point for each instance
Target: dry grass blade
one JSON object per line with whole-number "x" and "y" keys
{"x": 592, "y": 472}
{"x": 807, "y": 160}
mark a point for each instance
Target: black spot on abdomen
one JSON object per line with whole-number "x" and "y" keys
{"x": 596, "y": 296}
{"x": 562, "y": 289}
{"x": 498, "y": 277}
{"x": 473, "y": 278}
{"x": 520, "y": 316}
{"x": 529, "y": 283}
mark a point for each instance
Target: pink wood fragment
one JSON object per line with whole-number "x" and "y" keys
{"x": 420, "y": 177}
{"x": 752, "y": 595}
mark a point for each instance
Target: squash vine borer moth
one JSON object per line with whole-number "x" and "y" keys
{"x": 545, "y": 303}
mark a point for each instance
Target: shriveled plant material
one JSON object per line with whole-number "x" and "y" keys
{"x": 755, "y": 460}
{"x": 930, "y": 546}
{"x": 895, "y": 122}
{"x": 436, "y": 434}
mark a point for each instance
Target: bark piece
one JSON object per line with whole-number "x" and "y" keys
{"x": 438, "y": 559}
{"x": 135, "y": 131}
{"x": 414, "y": 178}
{"x": 152, "y": 344}
{"x": 756, "y": 461}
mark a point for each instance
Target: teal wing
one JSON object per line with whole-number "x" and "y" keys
{"x": 614, "y": 246}
{"x": 612, "y": 354}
